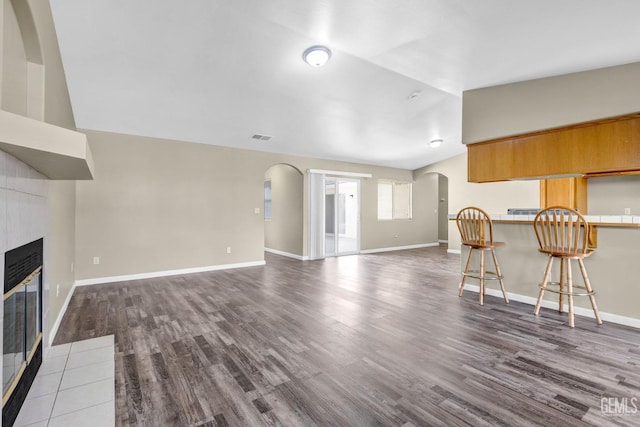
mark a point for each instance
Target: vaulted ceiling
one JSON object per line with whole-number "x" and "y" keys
{"x": 220, "y": 71}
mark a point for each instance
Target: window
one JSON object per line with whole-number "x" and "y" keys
{"x": 267, "y": 199}
{"x": 394, "y": 200}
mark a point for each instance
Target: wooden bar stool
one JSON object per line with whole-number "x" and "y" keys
{"x": 563, "y": 233}
{"x": 476, "y": 231}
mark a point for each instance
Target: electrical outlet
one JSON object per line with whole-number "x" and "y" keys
{"x": 228, "y": 249}
{"x": 627, "y": 211}
{"x": 57, "y": 290}
{"x": 96, "y": 260}
{"x": 256, "y": 210}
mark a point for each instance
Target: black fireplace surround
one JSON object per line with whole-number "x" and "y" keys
{"x": 22, "y": 331}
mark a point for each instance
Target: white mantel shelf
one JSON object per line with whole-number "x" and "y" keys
{"x": 56, "y": 152}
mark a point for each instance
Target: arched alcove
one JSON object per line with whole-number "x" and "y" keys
{"x": 283, "y": 227}
{"x": 439, "y": 187}
{"x": 28, "y": 31}
{"x": 23, "y": 85}
{"x": 443, "y": 208}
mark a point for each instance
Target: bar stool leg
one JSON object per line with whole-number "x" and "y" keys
{"x": 543, "y": 286}
{"x": 482, "y": 277}
{"x": 563, "y": 261}
{"x": 495, "y": 262}
{"x": 466, "y": 270}
{"x": 587, "y": 285}
{"x": 570, "y": 292}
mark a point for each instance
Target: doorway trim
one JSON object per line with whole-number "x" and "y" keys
{"x": 339, "y": 173}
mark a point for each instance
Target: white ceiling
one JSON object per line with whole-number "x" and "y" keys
{"x": 219, "y": 71}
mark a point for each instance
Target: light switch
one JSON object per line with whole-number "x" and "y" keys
{"x": 256, "y": 210}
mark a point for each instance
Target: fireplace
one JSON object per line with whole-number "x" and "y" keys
{"x": 22, "y": 331}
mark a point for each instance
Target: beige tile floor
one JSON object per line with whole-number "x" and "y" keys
{"x": 74, "y": 387}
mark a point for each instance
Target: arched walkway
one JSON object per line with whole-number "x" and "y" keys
{"x": 283, "y": 209}
{"x": 441, "y": 187}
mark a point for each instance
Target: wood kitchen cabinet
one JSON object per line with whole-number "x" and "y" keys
{"x": 606, "y": 146}
{"x": 570, "y": 192}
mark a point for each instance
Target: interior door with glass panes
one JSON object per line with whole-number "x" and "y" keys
{"x": 342, "y": 216}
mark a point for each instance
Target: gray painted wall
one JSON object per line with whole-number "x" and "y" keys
{"x": 494, "y": 197}
{"x": 532, "y": 105}
{"x": 611, "y": 195}
{"x": 443, "y": 207}
{"x": 284, "y": 231}
{"x": 158, "y": 205}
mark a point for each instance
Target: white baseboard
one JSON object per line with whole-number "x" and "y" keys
{"x": 398, "y": 248}
{"x": 63, "y": 310}
{"x": 454, "y": 251}
{"x": 587, "y": 312}
{"x": 443, "y": 241}
{"x": 287, "y": 254}
{"x": 112, "y": 279}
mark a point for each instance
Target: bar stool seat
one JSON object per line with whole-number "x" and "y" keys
{"x": 476, "y": 232}
{"x": 563, "y": 233}
{"x": 477, "y": 244}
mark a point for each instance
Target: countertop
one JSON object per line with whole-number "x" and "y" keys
{"x": 599, "y": 220}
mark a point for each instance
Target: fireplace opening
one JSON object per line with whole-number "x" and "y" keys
{"x": 22, "y": 331}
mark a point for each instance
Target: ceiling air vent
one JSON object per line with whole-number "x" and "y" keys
{"x": 259, "y": 137}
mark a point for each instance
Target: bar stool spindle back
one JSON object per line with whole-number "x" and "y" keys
{"x": 563, "y": 233}
{"x": 476, "y": 232}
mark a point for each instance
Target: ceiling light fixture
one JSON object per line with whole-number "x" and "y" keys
{"x": 435, "y": 143}
{"x": 316, "y": 56}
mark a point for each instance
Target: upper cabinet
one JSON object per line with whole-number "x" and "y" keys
{"x": 594, "y": 148}
{"x": 572, "y": 125}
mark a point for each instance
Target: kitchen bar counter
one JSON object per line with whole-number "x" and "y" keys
{"x": 598, "y": 220}
{"x": 614, "y": 269}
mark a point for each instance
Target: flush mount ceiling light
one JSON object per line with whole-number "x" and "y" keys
{"x": 435, "y": 143}
{"x": 316, "y": 56}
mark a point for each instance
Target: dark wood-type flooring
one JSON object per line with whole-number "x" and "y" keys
{"x": 377, "y": 339}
